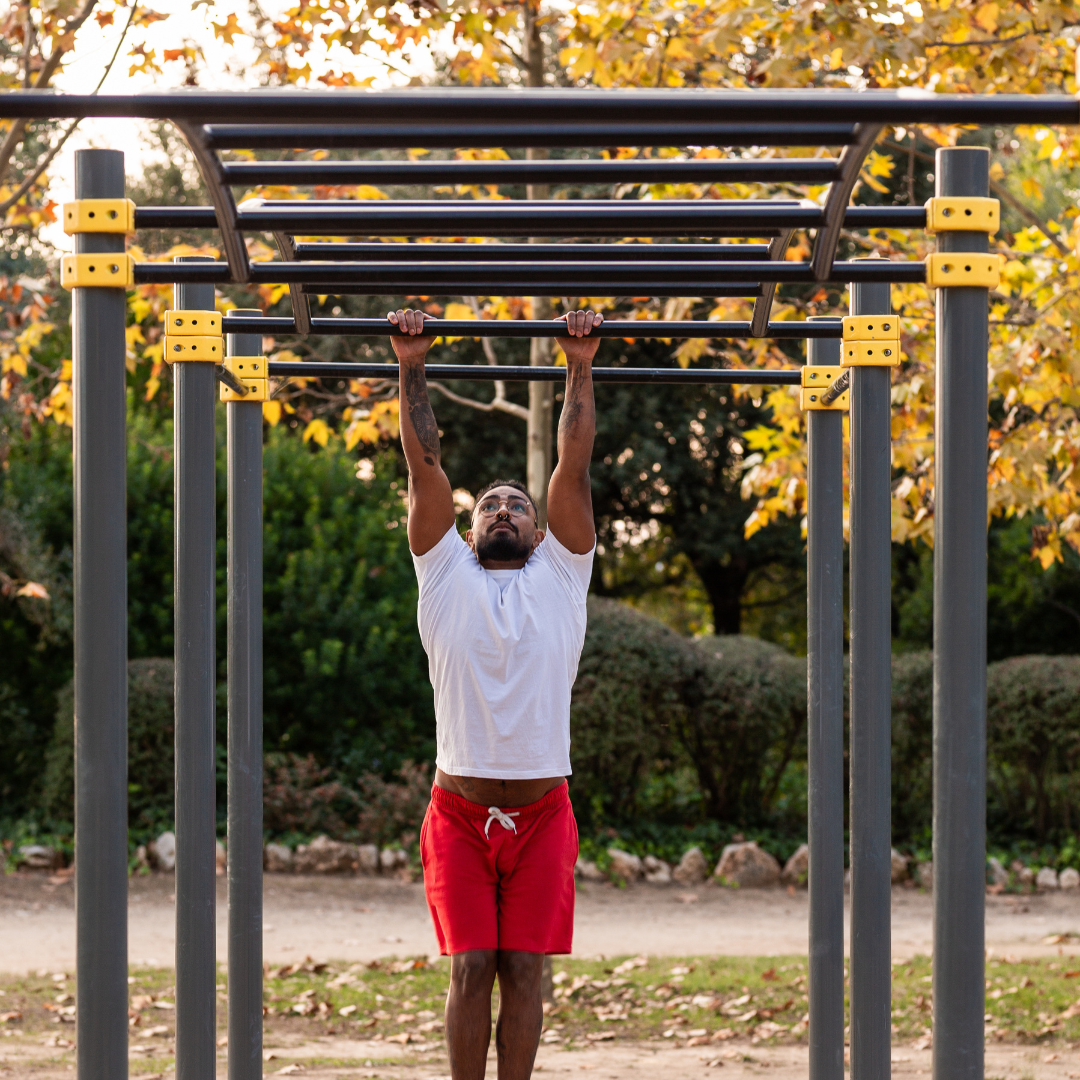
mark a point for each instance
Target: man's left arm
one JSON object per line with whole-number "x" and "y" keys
{"x": 569, "y": 502}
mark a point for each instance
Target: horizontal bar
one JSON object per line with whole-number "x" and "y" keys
{"x": 837, "y": 387}
{"x": 636, "y": 171}
{"x": 524, "y": 373}
{"x": 515, "y": 133}
{"x": 856, "y": 217}
{"x": 532, "y": 328}
{"x": 534, "y": 253}
{"x": 570, "y": 107}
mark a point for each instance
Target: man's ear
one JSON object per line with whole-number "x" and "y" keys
{"x": 469, "y": 539}
{"x": 537, "y": 538}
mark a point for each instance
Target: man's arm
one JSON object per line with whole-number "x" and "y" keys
{"x": 569, "y": 503}
{"x": 431, "y": 502}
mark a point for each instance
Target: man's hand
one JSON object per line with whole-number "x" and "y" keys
{"x": 409, "y": 345}
{"x": 579, "y": 323}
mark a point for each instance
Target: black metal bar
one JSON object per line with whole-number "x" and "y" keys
{"x": 524, "y": 287}
{"x": 567, "y": 107}
{"x": 522, "y": 373}
{"x": 534, "y": 253}
{"x": 529, "y": 328}
{"x": 194, "y": 396}
{"x": 100, "y": 572}
{"x": 634, "y": 171}
{"x": 825, "y": 724}
{"x": 301, "y": 306}
{"x": 514, "y": 133}
{"x": 871, "y": 705}
{"x": 244, "y": 422}
{"x": 851, "y": 160}
{"x": 960, "y": 462}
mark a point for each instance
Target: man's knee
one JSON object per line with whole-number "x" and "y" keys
{"x": 473, "y": 973}
{"x": 520, "y": 972}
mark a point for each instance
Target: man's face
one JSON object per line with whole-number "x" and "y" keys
{"x": 504, "y": 527}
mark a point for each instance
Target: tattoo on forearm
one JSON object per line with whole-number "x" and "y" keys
{"x": 574, "y": 405}
{"x": 420, "y": 414}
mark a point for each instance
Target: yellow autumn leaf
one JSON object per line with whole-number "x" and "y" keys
{"x": 318, "y": 430}
{"x": 361, "y": 431}
{"x": 987, "y": 17}
{"x": 272, "y": 412}
{"x": 33, "y": 589}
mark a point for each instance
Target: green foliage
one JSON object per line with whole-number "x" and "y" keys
{"x": 150, "y": 751}
{"x": 912, "y": 743}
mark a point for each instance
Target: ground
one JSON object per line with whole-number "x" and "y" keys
{"x": 668, "y": 982}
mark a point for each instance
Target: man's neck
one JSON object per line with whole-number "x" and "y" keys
{"x": 498, "y": 564}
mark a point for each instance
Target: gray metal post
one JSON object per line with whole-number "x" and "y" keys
{"x": 960, "y": 644}
{"x": 871, "y": 708}
{"x": 245, "y": 431}
{"x": 100, "y": 467}
{"x": 825, "y": 724}
{"x": 194, "y": 395}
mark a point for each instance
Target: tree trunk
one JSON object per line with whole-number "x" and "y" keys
{"x": 724, "y": 584}
{"x": 541, "y": 350}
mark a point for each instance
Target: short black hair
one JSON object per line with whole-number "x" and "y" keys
{"x": 517, "y": 485}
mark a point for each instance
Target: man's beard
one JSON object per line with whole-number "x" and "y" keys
{"x": 502, "y": 546}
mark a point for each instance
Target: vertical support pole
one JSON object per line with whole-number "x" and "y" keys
{"x": 245, "y": 432}
{"x": 960, "y": 443}
{"x": 871, "y": 708}
{"x": 100, "y": 474}
{"x": 194, "y": 395}
{"x": 825, "y": 728}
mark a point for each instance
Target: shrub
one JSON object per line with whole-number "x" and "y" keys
{"x": 150, "y": 750}
{"x": 912, "y": 747}
{"x": 1033, "y": 720}
{"x": 392, "y": 812}
{"x": 300, "y": 796}
{"x": 744, "y": 722}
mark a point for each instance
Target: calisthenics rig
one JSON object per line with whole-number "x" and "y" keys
{"x": 849, "y": 362}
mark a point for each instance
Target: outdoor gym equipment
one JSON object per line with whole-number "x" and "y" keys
{"x": 848, "y": 367}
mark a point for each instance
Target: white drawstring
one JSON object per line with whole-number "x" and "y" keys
{"x": 505, "y": 820}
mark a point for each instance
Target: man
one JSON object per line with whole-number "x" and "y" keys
{"x": 502, "y": 617}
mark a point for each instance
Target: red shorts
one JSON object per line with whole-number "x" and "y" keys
{"x": 491, "y": 887}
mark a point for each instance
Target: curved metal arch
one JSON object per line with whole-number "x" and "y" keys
{"x": 301, "y": 306}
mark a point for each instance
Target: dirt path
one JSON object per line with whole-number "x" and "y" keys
{"x": 363, "y": 918}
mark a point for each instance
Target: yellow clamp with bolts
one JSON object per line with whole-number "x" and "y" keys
{"x": 99, "y": 216}
{"x": 964, "y": 268}
{"x": 192, "y": 323}
{"x": 816, "y": 380}
{"x": 193, "y": 348}
{"x": 871, "y": 341}
{"x": 106, "y": 270}
{"x": 249, "y": 371}
{"x": 948, "y": 213}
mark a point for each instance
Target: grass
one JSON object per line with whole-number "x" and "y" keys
{"x": 694, "y": 1000}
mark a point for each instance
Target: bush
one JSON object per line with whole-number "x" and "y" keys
{"x": 300, "y": 796}
{"x": 744, "y": 724}
{"x": 392, "y": 812}
{"x": 1033, "y": 720}
{"x": 912, "y": 748}
{"x": 150, "y": 750}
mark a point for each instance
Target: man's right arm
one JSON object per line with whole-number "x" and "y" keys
{"x": 431, "y": 501}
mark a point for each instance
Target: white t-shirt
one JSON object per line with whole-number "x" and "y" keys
{"x": 503, "y": 649}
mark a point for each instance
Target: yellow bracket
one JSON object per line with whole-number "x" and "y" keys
{"x": 193, "y": 348}
{"x": 815, "y": 381}
{"x": 192, "y": 323}
{"x": 955, "y": 214}
{"x": 99, "y": 216}
{"x": 966, "y": 268}
{"x": 250, "y": 371}
{"x": 871, "y": 353}
{"x": 107, "y": 270}
{"x": 257, "y": 390}
{"x": 871, "y": 328}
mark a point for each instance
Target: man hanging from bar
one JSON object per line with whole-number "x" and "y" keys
{"x": 502, "y": 617}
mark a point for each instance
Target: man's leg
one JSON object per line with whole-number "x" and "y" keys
{"x": 521, "y": 1013}
{"x": 468, "y": 1012}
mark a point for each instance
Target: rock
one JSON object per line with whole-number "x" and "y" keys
{"x": 587, "y": 870}
{"x": 692, "y": 868}
{"x": 393, "y": 859}
{"x": 1025, "y": 875}
{"x": 797, "y": 868}
{"x": 325, "y": 856}
{"x": 1046, "y": 878}
{"x": 899, "y": 867}
{"x": 1069, "y": 878}
{"x": 924, "y": 875}
{"x": 39, "y": 857}
{"x": 221, "y": 859}
{"x": 142, "y": 859}
{"x": 625, "y": 865}
{"x": 162, "y": 852}
{"x": 996, "y": 873}
{"x": 368, "y": 859}
{"x": 657, "y": 872}
{"x": 747, "y": 866}
{"x": 277, "y": 859}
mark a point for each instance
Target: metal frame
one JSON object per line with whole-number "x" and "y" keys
{"x": 437, "y": 118}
